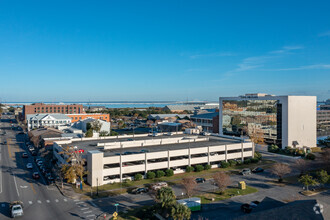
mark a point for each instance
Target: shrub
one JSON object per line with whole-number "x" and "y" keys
{"x": 232, "y": 163}
{"x": 288, "y": 150}
{"x": 138, "y": 177}
{"x": 189, "y": 169}
{"x": 151, "y": 175}
{"x": 254, "y": 160}
{"x": 169, "y": 172}
{"x": 199, "y": 168}
{"x": 273, "y": 148}
{"x": 257, "y": 155}
{"x": 239, "y": 162}
{"x": 207, "y": 167}
{"x": 160, "y": 173}
{"x": 89, "y": 133}
{"x": 310, "y": 156}
{"x": 224, "y": 164}
{"x": 247, "y": 161}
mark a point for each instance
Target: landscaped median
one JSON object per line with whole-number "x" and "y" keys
{"x": 120, "y": 188}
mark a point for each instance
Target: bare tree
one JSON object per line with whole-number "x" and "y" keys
{"x": 325, "y": 159}
{"x": 222, "y": 180}
{"x": 280, "y": 169}
{"x": 189, "y": 185}
{"x": 257, "y": 136}
{"x": 301, "y": 165}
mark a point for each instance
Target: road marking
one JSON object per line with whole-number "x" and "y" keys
{"x": 9, "y": 152}
{"x": 87, "y": 212}
{"x": 34, "y": 191}
{"x": 56, "y": 200}
{"x": 47, "y": 201}
{"x": 39, "y": 201}
{"x": 79, "y": 203}
{"x": 76, "y": 200}
{"x": 93, "y": 204}
{"x": 65, "y": 200}
{"x": 23, "y": 187}
{"x": 84, "y": 208}
{"x": 90, "y": 216}
{"x": 30, "y": 202}
{"x": 15, "y": 183}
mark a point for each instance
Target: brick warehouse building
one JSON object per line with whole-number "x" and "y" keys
{"x": 36, "y": 108}
{"x": 78, "y": 117}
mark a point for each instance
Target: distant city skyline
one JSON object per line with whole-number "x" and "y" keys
{"x": 154, "y": 51}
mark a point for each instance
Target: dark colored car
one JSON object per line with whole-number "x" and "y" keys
{"x": 257, "y": 170}
{"x": 35, "y": 175}
{"x": 34, "y": 153}
{"x": 144, "y": 151}
{"x": 50, "y": 180}
{"x": 25, "y": 155}
{"x": 200, "y": 180}
{"x": 139, "y": 190}
{"x": 246, "y": 208}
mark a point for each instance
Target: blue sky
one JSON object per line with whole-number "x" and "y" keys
{"x": 162, "y": 50}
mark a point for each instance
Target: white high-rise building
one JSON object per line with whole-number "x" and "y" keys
{"x": 282, "y": 120}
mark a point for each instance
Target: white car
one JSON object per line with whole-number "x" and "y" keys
{"x": 29, "y": 166}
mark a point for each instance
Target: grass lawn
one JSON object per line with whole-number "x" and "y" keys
{"x": 230, "y": 192}
{"x": 120, "y": 188}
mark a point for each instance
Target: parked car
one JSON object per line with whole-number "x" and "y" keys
{"x": 35, "y": 175}
{"x": 29, "y": 166}
{"x": 206, "y": 133}
{"x": 25, "y": 155}
{"x": 130, "y": 139}
{"x": 40, "y": 163}
{"x": 139, "y": 190}
{"x": 257, "y": 170}
{"x": 169, "y": 133}
{"x": 34, "y": 153}
{"x": 159, "y": 185}
{"x": 50, "y": 180}
{"x": 200, "y": 180}
{"x": 144, "y": 151}
{"x": 246, "y": 171}
{"x": 31, "y": 148}
{"x": 246, "y": 208}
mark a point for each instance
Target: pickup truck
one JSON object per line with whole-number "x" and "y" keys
{"x": 16, "y": 209}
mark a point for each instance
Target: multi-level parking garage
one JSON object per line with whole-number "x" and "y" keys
{"x": 113, "y": 160}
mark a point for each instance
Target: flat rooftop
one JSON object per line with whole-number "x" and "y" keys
{"x": 92, "y": 145}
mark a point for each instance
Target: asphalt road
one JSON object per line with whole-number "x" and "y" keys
{"x": 41, "y": 201}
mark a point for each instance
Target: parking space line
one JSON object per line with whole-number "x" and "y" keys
{"x": 30, "y": 202}
{"x": 39, "y": 201}
{"x": 84, "y": 209}
{"x": 87, "y": 212}
{"x": 47, "y": 201}
{"x": 65, "y": 200}
{"x": 90, "y": 216}
{"x": 79, "y": 203}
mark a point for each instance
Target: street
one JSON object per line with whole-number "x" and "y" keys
{"x": 41, "y": 201}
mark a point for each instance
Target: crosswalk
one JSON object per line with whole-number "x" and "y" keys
{"x": 46, "y": 201}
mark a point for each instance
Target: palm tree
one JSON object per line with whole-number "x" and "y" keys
{"x": 166, "y": 197}
{"x": 180, "y": 212}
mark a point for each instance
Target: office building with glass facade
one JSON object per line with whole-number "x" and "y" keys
{"x": 281, "y": 120}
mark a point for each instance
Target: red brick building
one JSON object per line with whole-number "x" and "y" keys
{"x": 101, "y": 116}
{"x": 36, "y": 108}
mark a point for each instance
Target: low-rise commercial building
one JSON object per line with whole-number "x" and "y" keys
{"x": 100, "y": 116}
{"x": 47, "y": 120}
{"x": 117, "y": 158}
{"x": 82, "y": 124}
{"x": 208, "y": 121}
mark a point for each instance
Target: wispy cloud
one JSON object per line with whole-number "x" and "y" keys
{"x": 257, "y": 62}
{"x": 218, "y": 54}
{"x": 324, "y": 34}
{"x": 309, "y": 67}
{"x": 286, "y": 50}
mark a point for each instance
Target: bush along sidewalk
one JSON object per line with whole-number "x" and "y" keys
{"x": 290, "y": 152}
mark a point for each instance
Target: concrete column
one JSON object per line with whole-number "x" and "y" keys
{"x": 145, "y": 163}
{"x": 120, "y": 166}
{"x": 189, "y": 156}
{"x": 168, "y": 159}
{"x": 253, "y": 149}
{"x": 95, "y": 167}
{"x": 208, "y": 155}
{"x": 226, "y": 152}
{"x": 242, "y": 151}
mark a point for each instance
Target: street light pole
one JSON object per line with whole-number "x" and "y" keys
{"x": 97, "y": 186}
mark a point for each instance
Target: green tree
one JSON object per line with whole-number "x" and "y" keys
{"x": 69, "y": 173}
{"x": 89, "y": 133}
{"x": 151, "y": 175}
{"x": 138, "y": 177}
{"x": 160, "y": 173}
{"x": 180, "y": 212}
{"x": 307, "y": 181}
{"x": 166, "y": 197}
{"x": 88, "y": 126}
{"x": 189, "y": 169}
{"x": 199, "y": 168}
{"x": 322, "y": 177}
{"x": 169, "y": 172}
{"x": 96, "y": 125}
